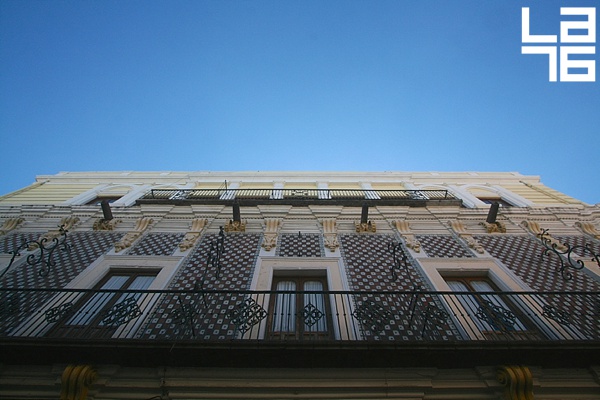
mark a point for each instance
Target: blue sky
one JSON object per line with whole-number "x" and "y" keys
{"x": 290, "y": 85}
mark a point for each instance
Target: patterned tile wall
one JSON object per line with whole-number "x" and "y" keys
{"x": 157, "y": 244}
{"x": 443, "y": 246}
{"x": 300, "y": 245}
{"x": 390, "y": 316}
{"x": 193, "y": 316}
{"x": 12, "y": 241}
{"x": 522, "y": 255}
{"x": 85, "y": 248}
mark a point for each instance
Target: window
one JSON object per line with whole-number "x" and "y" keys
{"x": 494, "y": 315}
{"x": 303, "y": 315}
{"x": 99, "y": 314}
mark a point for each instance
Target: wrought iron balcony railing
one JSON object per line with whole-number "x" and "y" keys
{"x": 300, "y": 197}
{"x": 333, "y": 316}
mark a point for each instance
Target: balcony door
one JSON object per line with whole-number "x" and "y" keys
{"x": 495, "y": 315}
{"x": 301, "y": 314}
{"x": 98, "y": 314}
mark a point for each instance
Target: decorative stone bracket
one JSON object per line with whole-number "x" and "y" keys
{"x": 461, "y": 231}
{"x": 586, "y": 227}
{"x": 403, "y": 228}
{"x": 141, "y": 225}
{"x": 75, "y": 382}
{"x": 494, "y": 227}
{"x": 517, "y": 381}
{"x": 67, "y": 223}
{"x": 271, "y": 232}
{"x": 365, "y": 227}
{"x": 235, "y": 226}
{"x": 105, "y": 225}
{"x": 541, "y": 234}
{"x": 330, "y": 233}
{"x": 10, "y": 224}
{"x": 191, "y": 237}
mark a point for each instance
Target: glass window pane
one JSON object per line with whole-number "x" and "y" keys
{"x": 284, "y": 314}
{"x": 95, "y": 304}
{"x": 316, "y": 321}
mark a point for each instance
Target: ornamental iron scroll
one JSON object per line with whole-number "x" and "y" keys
{"x": 44, "y": 258}
{"x": 399, "y": 258}
{"x": 566, "y": 257}
{"x": 217, "y": 248}
{"x": 247, "y": 314}
{"x": 122, "y": 312}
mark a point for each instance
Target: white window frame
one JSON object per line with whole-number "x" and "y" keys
{"x": 165, "y": 266}
{"x": 436, "y": 269}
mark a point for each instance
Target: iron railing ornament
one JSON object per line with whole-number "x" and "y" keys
{"x": 185, "y": 314}
{"x": 433, "y": 316}
{"x": 122, "y": 312}
{"x": 311, "y": 315}
{"x": 496, "y": 316}
{"x": 558, "y": 315}
{"x": 57, "y": 313}
{"x": 247, "y": 314}
{"x": 45, "y": 256}
{"x": 372, "y": 315}
{"x": 565, "y": 257}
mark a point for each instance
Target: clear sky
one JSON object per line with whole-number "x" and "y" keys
{"x": 347, "y": 85}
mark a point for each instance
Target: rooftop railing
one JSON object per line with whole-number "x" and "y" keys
{"x": 327, "y": 316}
{"x": 300, "y": 196}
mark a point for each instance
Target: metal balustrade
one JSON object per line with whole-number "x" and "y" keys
{"x": 301, "y": 196}
{"x": 213, "y": 315}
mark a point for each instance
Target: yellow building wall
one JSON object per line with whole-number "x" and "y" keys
{"x": 540, "y": 194}
{"x": 46, "y": 193}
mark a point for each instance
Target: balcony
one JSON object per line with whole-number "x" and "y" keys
{"x": 299, "y": 197}
{"x": 211, "y": 327}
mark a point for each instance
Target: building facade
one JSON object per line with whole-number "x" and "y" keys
{"x": 298, "y": 285}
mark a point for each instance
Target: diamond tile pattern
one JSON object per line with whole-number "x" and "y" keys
{"x": 12, "y": 241}
{"x": 85, "y": 248}
{"x": 193, "y": 316}
{"x": 443, "y": 246}
{"x": 402, "y": 316}
{"x": 521, "y": 254}
{"x": 303, "y": 245}
{"x": 157, "y": 244}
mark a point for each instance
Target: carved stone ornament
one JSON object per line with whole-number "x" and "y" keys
{"x": 330, "y": 234}
{"x": 67, "y": 223}
{"x": 535, "y": 228}
{"x": 365, "y": 227}
{"x": 141, "y": 225}
{"x": 587, "y": 228}
{"x": 105, "y": 225}
{"x": 10, "y": 224}
{"x": 460, "y": 229}
{"x": 271, "y": 232}
{"x": 235, "y": 226}
{"x": 403, "y": 228}
{"x": 76, "y": 381}
{"x": 494, "y": 227}
{"x": 190, "y": 238}
{"x": 517, "y": 381}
